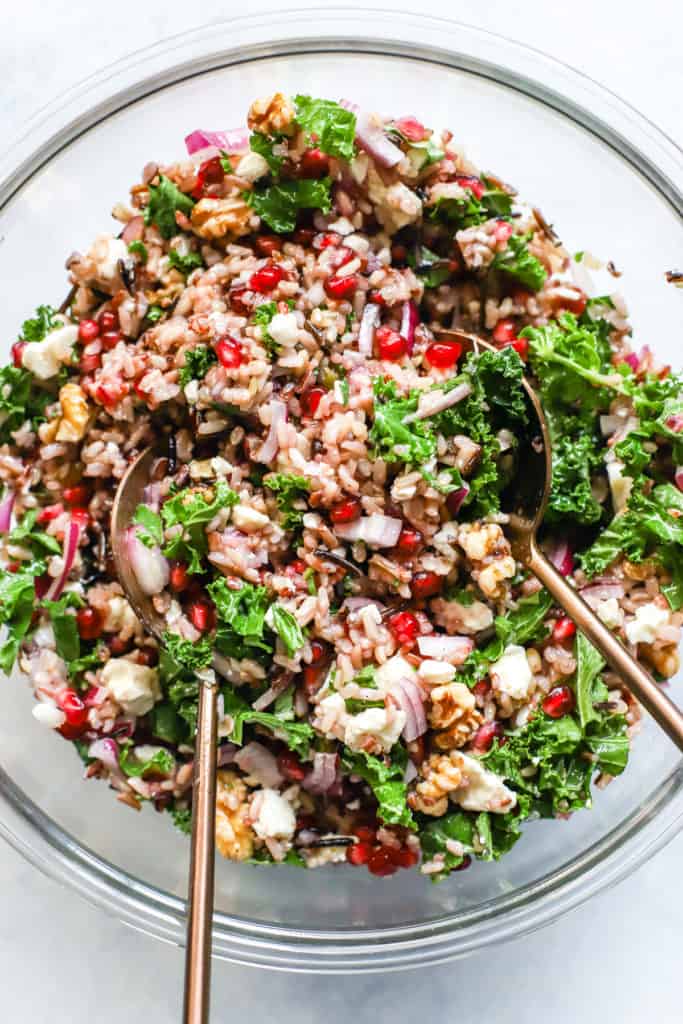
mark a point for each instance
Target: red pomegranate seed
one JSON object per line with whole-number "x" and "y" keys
{"x": 266, "y": 245}
{"x": 312, "y": 679}
{"x": 202, "y": 615}
{"x": 267, "y": 278}
{"x": 405, "y": 627}
{"x": 345, "y": 511}
{"x": 88, "y": 330}
{"x": 89, "y": 623}
{"x": 365, "y": 833}
{"x": 210, "y": 173}
{"x": 405, "y": 857}
{"x": 410, "y": 541}
{"x": 559, "y": 702}
{"x": 390, "y": 344}
{"x": 443, "y": 354}
{"x": 426, "y": 584}
{"x": 50, "y": 512}
{"x": 341, "y": 287}
{"x": 80, "y": 516}
{"x": 112, "y": 392}
{"x": 476, "y": 187}
{"x": 520, "y": 345}
{"x": 466, "y": 861}
{"x": 94, "y": 696}
{"x": 505, "y": 330}
{"x": 78, "y": 495}
{"x": 482, "y": 688}
{"x": 108, "y": 321}
{"x": 314, "y": 164}
{"x": 486, "y": 734}
{"x": 229, "y": 353}
{"x": 89, "y": 363}
{"x": 73, "y": 707}
{"x": 178, "y": 577}
{"x": 411, "y": 129}
{"x": 18, "y": 352}
{"x": 110, "y": 340}
{"x": 502, "y": 231}
{"x": 326, "y": 239}
{"x": 381, "y": 863}
{"x": 358, "y": 854}
{"x": 318, "y": 652}
{"x": 563, "y": 629}
{"x": 147, "y": 656}
{"x": 239, "y": 302}
{"x": 310, "y": 401}
{"x": 291, "y": 767}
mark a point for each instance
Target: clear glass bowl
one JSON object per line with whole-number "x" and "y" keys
{"x": 612, "y": 184}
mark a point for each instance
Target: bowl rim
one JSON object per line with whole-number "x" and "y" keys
{"x": 652, "y": 154}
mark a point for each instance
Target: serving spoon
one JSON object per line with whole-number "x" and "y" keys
{"x": 526, "y": 509}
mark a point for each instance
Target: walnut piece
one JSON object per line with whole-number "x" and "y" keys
{"x": 272, "y": 115}
{"x": 234, "y": 836}
{"x": 441, "y": 774}
{"x": 454, "y": 715}
{"x": 75, "y": 413}
{"x": 490, "y": 555}
{"x": 221, "y": 218}
{"x": 665, "y": 660}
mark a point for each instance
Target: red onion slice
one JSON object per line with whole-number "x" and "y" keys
{"x": 234, "y": 140}
{"x": 378, "y": 531}
{"x": 71, "y": 539}
{"x": 602, "y": 591}
{"x": 456, "y": 498}
{"x": 371, "y": 136}
{"x": 273, "y": 692}
{"x": 149, "y": 565}
{"x": 323, "y": 775}
{"x": 408, "y": 693}
{"x": 270, "y": 447}
{"x": 226, "y": 754}
{"x": 106, "y": 751}
{"x": 133, "y": 230}
{"x": 454, "y": 649}
{"x": 6, "y": 506}
{"x": 257, "y": 760}
{"x": 410, "y": 318}
{"x": 631, "y": 360}
{"x": 366, "y": 335}
{"x": 562, "y": 558}
{"x": 432, "y": 402}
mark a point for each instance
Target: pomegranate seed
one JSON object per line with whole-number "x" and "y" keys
{"x": 502, "y": 231}
{"x": 18, "y": 352}
{"x": 108, "y": 321}
{"x": 390, "y": 344}
{"x": 345, "y": 511}
{"x": 358, "y": 854}
{"x": 311, "y": 400}
{"x": 326, "y": 240}
{"x": 426, "y": 584}
{"x": 505, "y": 330}
{"x": 89, "y": 623}
{"x": 365, "y": 833}
{"x": 340, "y": 257}
{"x": 482, "y": 688}
{"x": 178, "y": 577}
{"x": 475, "y": 186}
{"x": 304, "y": 236}
{"x": 443, "y": 354}
{"x": 559, "y": 702}
{"x": 266, "y": 245}
{"x": 410, "y": 541}
{"x": 80, "y": 516}
{"x": 485, "y": 735}
{"x": 112, "y": 392}
{"x": 574, "y": 301}
{"x": 50, "y": 512}
{"x": 411, "y": 129}
{"x": 147, "y": 656}
{"x": 520, "y": 345}
{"x": 563, "y": 629}
{"x": 202, "y": 615}
{"x": 405, "y": 857}
{"x": 94, "y": 696}
{"x": 291, "y": 767}
{"x": 466, "y": 861}
{"x": 89, "y": 363}
{"x": 376, "y": 297}
{"x": 239, "y": 302}
{"x": 88, "y": 330}
{"x": 405, "y": 627}
{"x": 381, "y": 863}
{"x": 318, "y": 652}
{"x": 312, "y": 679}
{"x": 78, "y": 495}
{"x": 110, "y": 340}
{"x": 267, "y": 278}
{"x": 210, "y": 173}
{"x": 314, "y": 164}
{"x": 229, "y": 353}
{"x": 341, "y": 287}
{"x": 73, "y": 707}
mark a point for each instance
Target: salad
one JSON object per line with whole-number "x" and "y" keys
{"x": 323, "y": 527}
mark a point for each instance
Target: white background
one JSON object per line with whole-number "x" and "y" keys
{"x": 617, "y": 959}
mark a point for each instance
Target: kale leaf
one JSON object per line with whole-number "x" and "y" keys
{"x": 279, "y": 204}
{"x": 386, "y": 779}
{"x": 198, "y": 362}
{"x": 164, "y": 200}
{"x": 333, "y": 126}
{"x": 518, "y": 262}
{"x": 38, "y": 327}
{"x": 185, "y": 263}
{"x": 290, "y": 495}
{"x": 193, "y": 509}
{"x": 297, "y": 735}
{"x": 17, "y": 595}
{"x": 161, "y": 761}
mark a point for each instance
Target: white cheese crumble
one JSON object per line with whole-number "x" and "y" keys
{"x": 511, "y": 674}
{"x": 643, "y": 629}
{"x": 610, "y": 613}
{"x": 392, "y": 670}
{"x": 284, "y": 329}
{"x": 252, "y": 166}
{"x": 484, "y": 790}
{"x": 135, "y": 687}
{"x": 44, "y": 359}
{"x": 248, "y": 519}
{"x": 620, "y": 484}
{"x": 48, "y": 715}
{"x": 383, "y": 725}
{"x": 276, "y": 818}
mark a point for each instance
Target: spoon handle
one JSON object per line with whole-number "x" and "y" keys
{"x": 202, "y": 858}
{"x": 639, "y": 682}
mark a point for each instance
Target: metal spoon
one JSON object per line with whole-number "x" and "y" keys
{"x": 526, "y": 510}
{"x": 201, "y": 882}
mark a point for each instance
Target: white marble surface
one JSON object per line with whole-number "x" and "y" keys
{"x": 615, "y": 960}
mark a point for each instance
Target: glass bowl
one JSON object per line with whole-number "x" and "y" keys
{"x": 611, "y": 183}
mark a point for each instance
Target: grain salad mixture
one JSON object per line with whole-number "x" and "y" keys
{"x": 323, "y": 527}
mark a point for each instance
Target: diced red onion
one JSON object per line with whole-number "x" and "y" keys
{"x": 149, "y": 565}
{"x": 71, "y": 539}
{"x": 106, "y": 751}
{"x": 675, "y": 422}
{"x": 95, "y": 696}
{"x": 456, "y": 498}
{"x": 371, "y": 136}
{"x": 368, "y": 323}
{"x": 226, "y": 754}
{"x": 597, "y": 592}
{"x": 408, "y": 693}
{"x": 410, "y": 772}
{"x": 231, "y": 141}
{"x": 323, "y": 774}
{"x": 6, "y": 506}
{"x": 257, "y": 760}
{"x": 678, "y": 477}
{"x": 562, "y": 558}
{"x": 433, "y": 402}
{"x": 151, "y": 495}
{"x": 632, "y": 360}
{"x": 270, "y": 447}
{"x": 133, "y": 230}
{"x": 274, "y": 691}
{"x": 378, "y": 531}
{"x": 410, "y": 318}
{"x": 454, "y": 649}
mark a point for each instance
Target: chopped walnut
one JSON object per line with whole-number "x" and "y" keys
{"x": 234, "y": 836}
{"x": 441, "y": 774}
{"x": 454, "y": 715}
{"x": 272, "y": 115}
{"x": 489, "y": 552}
{"x": 665, "y": 660}
{"x": 75, "y": 413}
{"x": 221, "y": 218}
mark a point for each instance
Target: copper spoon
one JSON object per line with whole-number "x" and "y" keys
{"x": 201, "y": 882}
{"x": 527, "y": 508}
